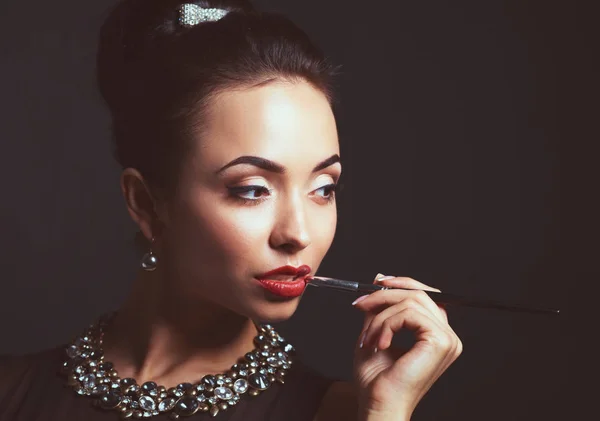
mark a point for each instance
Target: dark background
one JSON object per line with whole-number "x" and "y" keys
{"x": 468, "y": 143}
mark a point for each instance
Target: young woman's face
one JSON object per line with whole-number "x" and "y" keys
{"x": 227, "y": 227}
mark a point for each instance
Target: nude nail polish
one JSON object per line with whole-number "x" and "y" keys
{"x": 359, "y": 299}
{"x": 362, "y": 339}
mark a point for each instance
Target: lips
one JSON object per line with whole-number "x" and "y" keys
{"x": 285, "y": 281}
{"x": 286, "y": 273}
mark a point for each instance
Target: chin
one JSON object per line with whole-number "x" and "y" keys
{"x": 275, "y": 312}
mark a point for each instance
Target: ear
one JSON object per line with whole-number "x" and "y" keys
{"x": 141, "y": 204}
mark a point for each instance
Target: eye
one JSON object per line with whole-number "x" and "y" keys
{"x": 262, "y": 192}
{"x": 236, "y": 193}
{"x": 330, "y": 192}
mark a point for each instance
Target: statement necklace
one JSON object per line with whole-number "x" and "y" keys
{"x": 90, "y": 375}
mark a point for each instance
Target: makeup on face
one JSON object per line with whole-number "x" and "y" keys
{"x": 271, "y": 166}
{"x": 285, "y": 281}
{"x": 250, "y": 190}
{"x": 261, "y": 189}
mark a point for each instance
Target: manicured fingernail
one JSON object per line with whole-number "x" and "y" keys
{"x": 362, "y": 339}
{"x": 359, "y": 299}
{"x": 379, "y": 275}
{"x": 384, "y": 278}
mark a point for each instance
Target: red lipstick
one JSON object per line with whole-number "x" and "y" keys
{"x": 285, "y": 281}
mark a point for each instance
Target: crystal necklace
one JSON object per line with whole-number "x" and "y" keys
{"x": 91, "y": 375}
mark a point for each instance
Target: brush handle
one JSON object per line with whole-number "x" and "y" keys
{"x": 438, "y": 297}
{"x": 445, "y": 298}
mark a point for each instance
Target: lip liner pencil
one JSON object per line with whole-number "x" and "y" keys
{"x": 438, "y": 297}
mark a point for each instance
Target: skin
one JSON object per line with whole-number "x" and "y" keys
{"x": 391, "y": 380}
{"x": 194, "y": 314}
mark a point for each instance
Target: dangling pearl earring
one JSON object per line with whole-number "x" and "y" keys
{"x": 149, "y": 261}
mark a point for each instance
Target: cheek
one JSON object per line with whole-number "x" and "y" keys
{"x": 220, "y": 236}
{"x": 325, "y": 230}
{"x": 237, "y": 233}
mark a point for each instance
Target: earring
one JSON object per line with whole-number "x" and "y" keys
{"x": 149, "y": 261}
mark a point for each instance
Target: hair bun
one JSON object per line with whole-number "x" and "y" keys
{"x": 132, "y": 31}
{"x": 158, "y": 76}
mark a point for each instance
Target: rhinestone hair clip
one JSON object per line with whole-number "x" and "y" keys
{"x": 191, "y": 14}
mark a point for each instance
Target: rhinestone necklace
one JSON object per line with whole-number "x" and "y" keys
{"x": 91, "y": 375}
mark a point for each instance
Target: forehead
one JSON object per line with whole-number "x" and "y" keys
{"x": 280, "y": 121}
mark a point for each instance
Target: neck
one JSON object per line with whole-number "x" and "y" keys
{"x": 167, "y": 338}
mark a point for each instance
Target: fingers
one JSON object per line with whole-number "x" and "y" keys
{"x": 436, "y": 348}
{"x": 403, "y": 282}
{"x": 381, "y": 308}
{"x": 386, "y": 323}
{"x": 408, "y": 307}
{"x": 432, "y": 336}
{"x": 368, "y": 315}
{"x": 381, "y": 300}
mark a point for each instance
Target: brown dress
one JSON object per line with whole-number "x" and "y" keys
{"x": 31, "y": 389}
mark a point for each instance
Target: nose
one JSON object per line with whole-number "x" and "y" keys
{"x": 291, "y": 231}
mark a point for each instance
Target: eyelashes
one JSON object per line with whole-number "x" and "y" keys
{"x": 235, "y": 193}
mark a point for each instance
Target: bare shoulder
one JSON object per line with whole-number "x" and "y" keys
{"x": 340, "y": 403}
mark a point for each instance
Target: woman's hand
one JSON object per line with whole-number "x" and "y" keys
{"x": 392, "y": 381}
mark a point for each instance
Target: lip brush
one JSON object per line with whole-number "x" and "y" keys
{"x": 438, "y": 297}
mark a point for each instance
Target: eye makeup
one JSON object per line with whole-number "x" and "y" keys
{"x": 236, "y": 192}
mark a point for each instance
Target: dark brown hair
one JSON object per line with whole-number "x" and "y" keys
{"x": 157, "y": 76}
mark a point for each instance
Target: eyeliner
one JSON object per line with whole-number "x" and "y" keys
{"x": 438, "y": 297}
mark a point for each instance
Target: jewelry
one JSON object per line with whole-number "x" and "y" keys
{"x": 91, "y": 375}
{"x": 149, "y": 261}
{"x": 191, "y": 14}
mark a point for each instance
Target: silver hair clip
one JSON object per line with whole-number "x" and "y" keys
{"x": 191, "y": 14}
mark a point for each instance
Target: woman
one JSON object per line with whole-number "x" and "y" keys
{"x": 224, "y": 128}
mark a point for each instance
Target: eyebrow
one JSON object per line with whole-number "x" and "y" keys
{"x": 272, "y": 166}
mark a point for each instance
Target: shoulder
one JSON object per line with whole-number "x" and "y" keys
{"x": 17, "y": 370}
{"x": 31, "y": 381}
{"x": 13, "y": 367}
{"x": 340, "y": 403}
{"x": 10, "y": 363}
